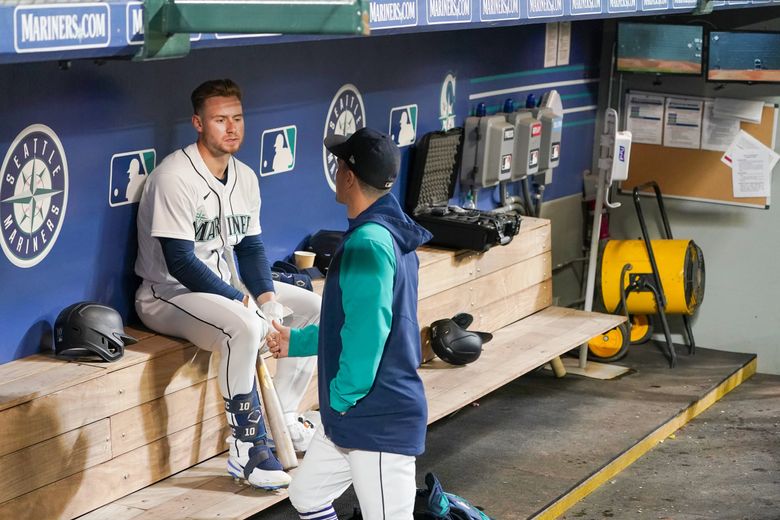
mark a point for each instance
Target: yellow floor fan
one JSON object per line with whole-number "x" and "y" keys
{"x": 644, "y": 279}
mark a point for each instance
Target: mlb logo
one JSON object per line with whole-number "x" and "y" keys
{"x": 277, "y": 150}
{"x": 403, "y": 125}
{"x": 128, "y": 175}
{"x": 506, "y": 163}
{"x": 533, "y": 158}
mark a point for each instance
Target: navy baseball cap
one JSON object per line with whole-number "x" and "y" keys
{"x": 372, "y": 155}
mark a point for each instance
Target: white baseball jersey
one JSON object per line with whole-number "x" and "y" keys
{"x": 183, "y": 200}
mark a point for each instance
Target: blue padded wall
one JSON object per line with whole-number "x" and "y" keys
{"x": 103, "y": 111}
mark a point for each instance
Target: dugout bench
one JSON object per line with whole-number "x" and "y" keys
{"x": 143, "y": 438}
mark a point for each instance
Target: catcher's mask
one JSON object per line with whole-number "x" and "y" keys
{"x": 91, "y": 328}
{"x": 455, "y": 345}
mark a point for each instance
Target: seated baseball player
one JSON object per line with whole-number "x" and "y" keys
{"x": 199, "y": 216}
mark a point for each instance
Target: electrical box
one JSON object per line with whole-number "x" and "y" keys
{"x": 528, "y": 141}
{"x": 552, "y": 126}
{"x": 621, "y": 155}
{"x": 488, "y": 145}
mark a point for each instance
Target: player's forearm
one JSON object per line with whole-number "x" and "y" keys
{"x": 191, "y": 272}
{"x": 254, "y": 268}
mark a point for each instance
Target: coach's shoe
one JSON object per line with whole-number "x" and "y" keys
{"x": 256, "y": 464}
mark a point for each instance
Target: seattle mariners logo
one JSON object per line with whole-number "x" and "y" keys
{"x": 33, "y": 195}
{"x": 447, "y": 103}
{"x": 346, "y": 115}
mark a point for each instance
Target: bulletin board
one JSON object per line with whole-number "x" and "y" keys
{"x": 696, "y": 174}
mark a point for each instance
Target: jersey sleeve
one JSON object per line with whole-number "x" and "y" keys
{"x": 174, "y": 210}
{"x": 303, "y": 342}
{"x": 367, "y": 273}
{"x": 253, "y": 265}
{"x": 191, "y": 272}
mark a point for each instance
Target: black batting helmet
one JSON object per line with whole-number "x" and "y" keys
{"x": 455, "y": 345}
{"x": 91, "y": 327}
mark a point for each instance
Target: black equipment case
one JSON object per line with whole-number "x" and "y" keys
{"x": 431, "y": 184}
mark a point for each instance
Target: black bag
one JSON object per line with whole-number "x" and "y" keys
{"x": 324, "y": 243}
{"x": 288, "y": 273}
{"x": 431, "y": 185}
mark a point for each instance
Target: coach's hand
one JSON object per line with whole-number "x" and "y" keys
{"x": 278, "y": 340}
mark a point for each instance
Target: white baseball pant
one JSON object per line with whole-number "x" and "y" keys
{"x": 384, "y": 482}
{"x": 215, "y": 323}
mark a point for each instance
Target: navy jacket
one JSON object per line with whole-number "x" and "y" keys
{"x": 386, "y": 412}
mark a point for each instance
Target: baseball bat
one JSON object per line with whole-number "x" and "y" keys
{"x": 285, "y": 451}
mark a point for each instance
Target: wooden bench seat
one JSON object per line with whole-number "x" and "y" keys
{"x": 80, "y": 436}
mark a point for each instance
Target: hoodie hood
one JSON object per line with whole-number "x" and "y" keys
{"x": 386, "y": 212}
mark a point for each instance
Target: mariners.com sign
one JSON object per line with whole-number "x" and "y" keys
{"x": 54, "y": 28}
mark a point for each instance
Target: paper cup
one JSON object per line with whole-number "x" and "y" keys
{"x": 304, "y": 259}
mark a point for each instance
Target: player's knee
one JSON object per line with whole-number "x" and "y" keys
{"x": 302, "y": 498}
{"x": 255, "y": 332}
{"x": 249, "y": 333}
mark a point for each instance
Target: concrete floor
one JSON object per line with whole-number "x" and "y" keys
{"x": 723, "y": 464}
{"x": 528, "y": 443}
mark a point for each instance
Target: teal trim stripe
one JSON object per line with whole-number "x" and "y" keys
{"x": 579, "y": 122}
{"x": 566, "y": 123}
{"x": 492, "y": 109}
{"x": 532, "y": 72}
{"x": 564, "y": 97}
{"x": 532, "y": 87}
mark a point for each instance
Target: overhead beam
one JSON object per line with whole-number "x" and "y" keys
{"x": 168, "y": 23}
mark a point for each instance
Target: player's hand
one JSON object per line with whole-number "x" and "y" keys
{"x": 278, "y": 340}
{"x": 273, "y": 311}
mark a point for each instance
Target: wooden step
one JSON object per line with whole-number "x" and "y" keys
{"x": 207, "y": 492}
{"x": 515, "y": 350}
{"x": 119, "y": 476}
{"x": 165, "y": 413}
{"x": 98, "y": 393}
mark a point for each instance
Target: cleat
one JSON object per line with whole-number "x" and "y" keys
{"x": 258, "y": 478}
{"x": 250, "y": 458}
{"x": 257, "y": 466}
